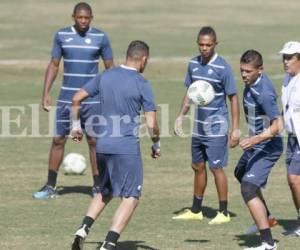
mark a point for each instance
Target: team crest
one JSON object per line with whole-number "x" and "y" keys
{"x": 88, "y": 41}
{"x": 210, "y": 71}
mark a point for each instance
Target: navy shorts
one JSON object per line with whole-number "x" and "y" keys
{"x": 121, "y": 175}
{"x": 88, "y": 118}
{"x": 214, "y": 150}
{"x": 293, "y": 155}
{"x": 255, "y": 164}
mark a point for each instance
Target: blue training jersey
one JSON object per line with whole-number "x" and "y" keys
{"x": 212, "y": 119}
{"x": 81, "y": 58}
{"x": 260, "y": 106}
{"x": 124, "y": 92}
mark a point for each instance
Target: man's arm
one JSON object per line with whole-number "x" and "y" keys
{"x": 184, "y": 109}
{"x": 108, "y": 63}
{"x": 275, "y": 129}
{"x": 153, "y": 129}
{"x": 50, "y": 76}
{"x": 76, "y": 131}
{"x": 235, "y": 120}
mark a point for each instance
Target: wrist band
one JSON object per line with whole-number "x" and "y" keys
{"x": 76, "y": 124}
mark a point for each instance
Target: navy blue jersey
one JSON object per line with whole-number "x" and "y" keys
{"x": 81, "y": 57}
{"x": 123, "y": 94}
{"x": 212, "y": 120}
{"x": 260, "y": 105}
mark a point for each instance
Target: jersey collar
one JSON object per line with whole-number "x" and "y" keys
{"x": 126, "y": 67}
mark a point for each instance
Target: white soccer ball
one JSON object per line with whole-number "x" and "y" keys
{"x": 74, "y": 163}
{"x": 201, "y": 92}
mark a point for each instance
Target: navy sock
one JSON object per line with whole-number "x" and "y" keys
{"x": 223, "y": 207}
{"x": 197, "y": 204}
{"x": 266, "y": 236}
{"x": 96, "y": 180}
{"x": 87, "y": 223}
{"x": 112, "y": 237}
{"x": 52, "y": 176}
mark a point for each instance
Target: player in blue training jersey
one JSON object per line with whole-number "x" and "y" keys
{"x": 263, "y": 147}
{"x": 209, "y": 140}
{"x": 291, "y": 108}
{"x": 81, "y": 47}
{"x": 123, "y": 93}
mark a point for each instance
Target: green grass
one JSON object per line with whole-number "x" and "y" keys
{"x": 170, "y": 27}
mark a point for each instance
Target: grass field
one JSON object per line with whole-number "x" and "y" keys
{"x": 170, "y": 27}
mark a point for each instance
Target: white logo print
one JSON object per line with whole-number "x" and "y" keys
{"x": 195, "y": 69}
{"x": 210, "y": 71}
{"x": 88, "y": 40}
{"x": 248, "y": 94}
{"x": 250, "y": 175}
{"x": 69, "y": 39}
{"x": 139, "y": 188}
{"x": 216, "y": 161}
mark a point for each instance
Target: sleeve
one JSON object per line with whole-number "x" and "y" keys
{"x": 269, "y": 105}
{"x": 56, "y": 48}
{"x": 147, "y": 98}
{"x": 106, "y": 50}
{"x": 229, "y": 81}
{"x": 92, "y": 87}
{"x": 188, "y": 78}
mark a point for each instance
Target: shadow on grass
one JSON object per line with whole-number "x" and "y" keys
{"x": 287, "y": 224}
{"x": 249, "y": 240}
{"x": 75, "y": 189}
{"x": 196, "y": 241}
{"x": 207, "y": 212}
{"x": 126, "y": 245}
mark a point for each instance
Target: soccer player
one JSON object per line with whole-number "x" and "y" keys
{"x": 210, "y": 133}
{"x": 81, "y": 46}
{"x": 264, "y": 145}
{"x": 291, "y": 105}
{"x": 123, "y": 93}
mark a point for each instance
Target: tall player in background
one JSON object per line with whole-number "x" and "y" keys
{"x": 210, "y": 134}
{"x": 81, "y": 47}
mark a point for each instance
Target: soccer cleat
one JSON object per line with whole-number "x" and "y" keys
{"x": 46, "y": 192}
{"x": 295, "y": 231}
{"x": 263, "y": 246}
{"x": 188, "y": 215}
{"x": 78, "y": 241}
{"x": 220, "y": 219}
{"x": 107, "y": 246}
{"x": 253, "y": 229}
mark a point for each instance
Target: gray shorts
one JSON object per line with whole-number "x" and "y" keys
{"x": 293, "y": 155}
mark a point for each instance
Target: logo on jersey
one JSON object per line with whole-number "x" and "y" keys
{"x": 69, "y": 39}
{"x": 248, "y": 94}
{"x": 195, "y": 69}
{"x": 210, "y": 71}
{"x": 88, "y": 41}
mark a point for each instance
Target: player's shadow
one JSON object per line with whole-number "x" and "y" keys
{"x": 196, "y": 241}
{"x": 74, "y": 189}
{"x": 126, "y": 245}
{"x": 287, "y": 224}
{"x": 207, "y": 212}
{"x": 248, "y": 240}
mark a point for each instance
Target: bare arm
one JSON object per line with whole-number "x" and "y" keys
{"x": 184, "y": 109}
{"x": 275, "y": 129}
{"x": 153, "y": 129}
{"x": 235, "y": 120}
{"x": 50, "y": 76}
{"x": 76, "y": 131}
{"x": 108, "y": 64}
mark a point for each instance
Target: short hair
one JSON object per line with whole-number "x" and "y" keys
{"x": 137, "y": 49}
{"x": 207, "y": 31}
{"x": 252, "y": 56}
{"x": 82, "y": 6}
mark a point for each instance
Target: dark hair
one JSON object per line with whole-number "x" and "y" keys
{"x": 253, "y": 57}
{"x": 137, "y": 49}
{"x": 82, "y": 6}
{"x": 207, "y": 31}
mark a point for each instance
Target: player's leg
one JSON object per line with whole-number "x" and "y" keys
{"x": 200, "y": 181}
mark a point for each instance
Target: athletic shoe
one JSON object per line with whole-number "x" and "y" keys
{"x": 263, "y": 246}
{"x": 295, "y": 231}
{"x": 188, "y": 215}
{"x": 78, "y": 241}
{"x": 107, "y": 246}
{"x": 220, "y": 219}
{"x": 46, "y": 192}
{"x": 253, "y": 229}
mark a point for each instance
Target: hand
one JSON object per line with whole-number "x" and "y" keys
{"x": 234, "y": 138}
{"x": 155, "y": 152}
{"x": 178, "y": 126}
{"x": 76, "y": 134}
{"x": 46, "y": 102}
{"x": 247, "y": 143}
